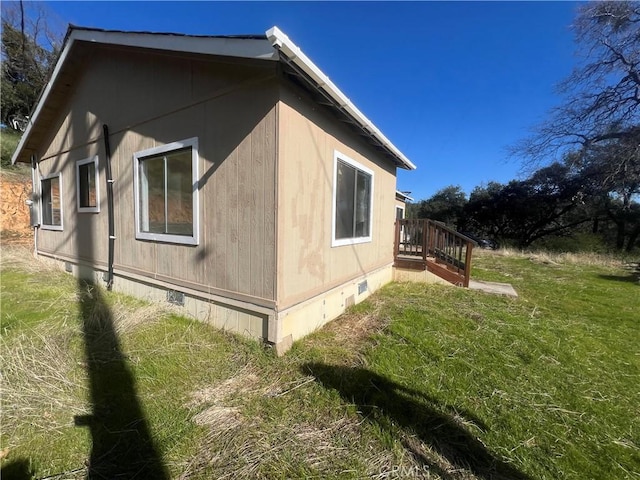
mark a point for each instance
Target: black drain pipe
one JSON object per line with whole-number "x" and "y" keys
{"x": 112, "y": 235}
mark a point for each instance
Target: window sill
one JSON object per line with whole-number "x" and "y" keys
{"x": 51, "y": 227}
{"x": 165, "y": 238}
{"x": 350, "y": 241}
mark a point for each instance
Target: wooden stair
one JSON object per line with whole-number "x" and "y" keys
{"x": 422, "y": 244}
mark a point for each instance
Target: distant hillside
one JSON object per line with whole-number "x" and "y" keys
{"x": 15, "y": 189}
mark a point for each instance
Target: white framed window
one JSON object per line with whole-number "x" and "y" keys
{"x": 88, "y": 185}
{"x": 166, "y": 193}
{"x": 51, "y": 201}
{"x": 352, "y": 202}
{"x": 399, "y": 212}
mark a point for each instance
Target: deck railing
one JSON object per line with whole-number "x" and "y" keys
{"x": 434, "y": 246}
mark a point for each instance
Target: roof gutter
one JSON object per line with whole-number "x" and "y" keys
{"x": 291, "y": 51}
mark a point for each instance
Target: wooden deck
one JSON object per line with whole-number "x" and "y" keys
{"x": 422, "y": 244}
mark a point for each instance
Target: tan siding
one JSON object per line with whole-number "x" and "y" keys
{"x": 245, "y": 231}
{"x": 84, "y": 235}
{"x": 267, "y": 165}
{"x": 128, "y": 251}
{"x": 307, "y": 264}
{"x": 150, "y": 100}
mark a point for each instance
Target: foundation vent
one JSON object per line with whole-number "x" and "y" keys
{"x": 362, "y": 287}
{"x": 349, "y": 301}
{"x": 176, "y": 298}
{"x": 68, "y": 267}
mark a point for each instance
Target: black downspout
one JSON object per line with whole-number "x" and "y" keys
{"x": 112, "y": 235}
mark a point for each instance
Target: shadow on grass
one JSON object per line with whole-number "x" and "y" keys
{"x": 391, "y": 405}
{"x": 19, "y": 469}
{"x": 633, "y": 277}
{"x": 122, "y": 445}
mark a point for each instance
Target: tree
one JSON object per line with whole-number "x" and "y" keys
{"x": 597, "y": 127}
{"x": 29, "y": 50}
{"x": 446, "y": 205}
{"x": 611, "y": 172}
{"x": 602, "y": 95}
{"x": 481, "y": 211}
{"x": 523, "y": 211}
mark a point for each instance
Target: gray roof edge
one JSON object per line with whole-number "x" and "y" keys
{"x": 242, "y": 46}
{"x": 288, "y": 48}
{"x": 72, "y": 27}
{"x": 264, "y": 47}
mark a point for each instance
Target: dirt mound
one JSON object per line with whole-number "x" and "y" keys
{"x": 14, "y": 213}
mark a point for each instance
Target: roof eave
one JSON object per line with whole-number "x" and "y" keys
{"x": 68, "y": 41}
{"x": 403, "y": 196}
{"x": 285, "y": 46}
{"x": 243, "y": 47}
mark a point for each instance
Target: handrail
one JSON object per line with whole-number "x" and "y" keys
{"x": 446, "y": 251}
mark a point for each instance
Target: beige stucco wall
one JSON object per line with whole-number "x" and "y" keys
{"x": 148, "y": 100}
{"x": 307, "y": 264}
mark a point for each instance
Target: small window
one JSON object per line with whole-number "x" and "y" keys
{"x": 353, "y": 197}
{"x": 399, "y": 213}
{"x": 88, "y": 186}
{"x": 166, "y": 204}
{"x": 51, "y": 201}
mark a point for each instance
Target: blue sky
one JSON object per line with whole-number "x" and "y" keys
{"x": 451, "y": 84}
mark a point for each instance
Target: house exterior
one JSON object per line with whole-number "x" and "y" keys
{"x": 401, "y": 204}
{"x": 228, "y": 175}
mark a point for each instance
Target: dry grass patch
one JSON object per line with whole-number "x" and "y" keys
{"x": 41, "y": 382}
{"x": 345, "y": 337}
{"x": 21, "y": 257}
{"x": 243, "y": 383}
{"x": 560, "y": 258}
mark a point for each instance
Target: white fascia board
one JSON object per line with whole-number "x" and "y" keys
{"x": 405, "y": 197}
{"x": 282, "y": 42}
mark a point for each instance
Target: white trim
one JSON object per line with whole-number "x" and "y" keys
{"x": 164, "y": 237}
{"x": 358, "y": 166}
{"x": 399, "y": 207}
{"x": 282, "y": 42}
{"x": 403, "y": 197}
{"x": 43, "y": 225}
{"x": 79, "y": 163}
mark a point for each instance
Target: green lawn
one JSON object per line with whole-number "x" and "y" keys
{"x": 419, "y": 381}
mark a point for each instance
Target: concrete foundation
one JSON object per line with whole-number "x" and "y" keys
{"x": 308, "y": 316}
{"x": 250, "y": 321}
{"x": 421, "y": 276}
{"x": 278, "y": 328}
